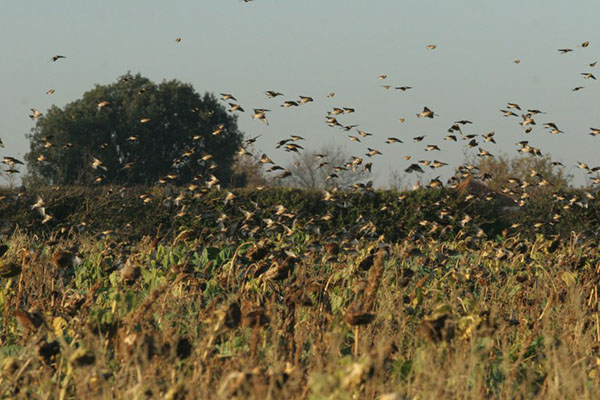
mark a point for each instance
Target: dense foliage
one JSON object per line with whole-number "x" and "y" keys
{"x": 298, "y": 316}
{"x": 140, "y": 131}
{"x": 139, "y": 211}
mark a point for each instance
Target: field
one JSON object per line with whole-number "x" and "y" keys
{"x": 288, "y": 295}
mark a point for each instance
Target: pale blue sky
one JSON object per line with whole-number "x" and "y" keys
{"x": 313, "y": 47}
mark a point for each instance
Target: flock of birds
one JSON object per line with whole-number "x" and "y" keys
{"x": 363, "y": 163}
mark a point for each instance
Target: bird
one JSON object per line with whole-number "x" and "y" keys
{"x": 373, "y": 152}
{"x": 289, "y": 103}
{"x": 403, "y": 88}
{"x": 264, "y": 159}
{"x": 235, "y": 107}
{"x": 39, "y": 203}
{"x": 393, "y": 140}
{"x": 227, "y": 96}
{"x": 508, "y": 113}
{"x": 252, "y": 140}
{"x": 35, "y": 113}
{"x": 272, "y": 94}
{"x": 259, "y": 114}
{"x": 414, "y": 168}
{"x": 426, "y": 113}
{"x": 11, "y": 161}
{"x": 305, "y": 99}
{"x": 431, "y": 47}
{"x": 588, "y": 75}
{"x": 472, "y": 143}
{"x": 96, "y": 163}
{"x": 56, "y": 58}
{"x": 484, "y": 153}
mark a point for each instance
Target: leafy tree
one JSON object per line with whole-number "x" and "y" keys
{"x": 139, "y": 131}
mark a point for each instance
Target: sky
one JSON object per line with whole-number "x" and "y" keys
{"x": 314, "y": 47}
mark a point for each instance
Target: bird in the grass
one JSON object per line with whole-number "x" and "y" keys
{"x": 96, "y": 163}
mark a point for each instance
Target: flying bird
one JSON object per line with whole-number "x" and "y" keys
{"x": 35, "y": 113}
{"x": 271, "y": 94}
{"x": 426, "y": 113}
{"x": 588, "y": 75}
{"x": 227, "y": 96}
{"x": 305, "y": 99}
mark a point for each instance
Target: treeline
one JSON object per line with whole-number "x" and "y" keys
{"x": 135, "y": 212}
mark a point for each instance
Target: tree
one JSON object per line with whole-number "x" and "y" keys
{"x": 540, "y": 174}
{"x": 247, "y": 170}
{"x": 327, "y": 167}
{"x": 134, "y": 132}
{"x": 397, "y": 180}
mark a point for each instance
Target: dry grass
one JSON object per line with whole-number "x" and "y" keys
{"x": 270, "y": 319}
